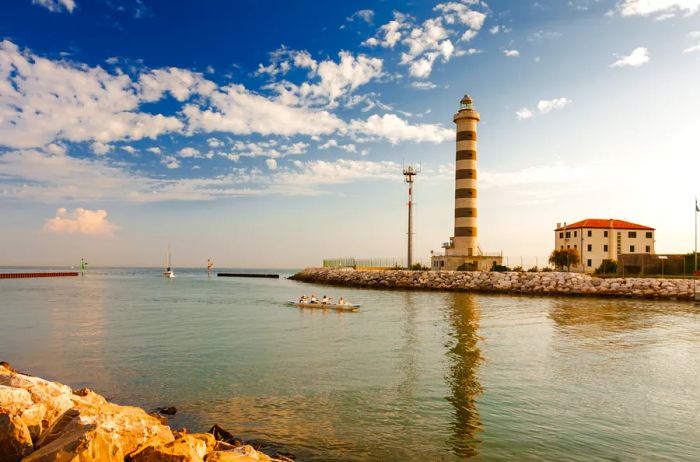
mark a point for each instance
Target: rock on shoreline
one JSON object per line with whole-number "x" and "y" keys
{"x": 44, "y": 421}
{"x": 544, "y": 283}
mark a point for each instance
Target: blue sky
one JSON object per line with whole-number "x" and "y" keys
{"x": 273, "y": 134}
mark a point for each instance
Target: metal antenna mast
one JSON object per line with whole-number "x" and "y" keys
{"x": 409, "y": 172}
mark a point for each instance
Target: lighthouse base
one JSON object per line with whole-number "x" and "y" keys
{"x": 464, "y": 262}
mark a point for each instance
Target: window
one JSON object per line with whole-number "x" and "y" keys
{"x": 562, "y": 247}
{"x": 649, "y": 235}
{"x": 568, "y": 246}
{"x": 590, "y": 247}
{"x": 589, "y": 262}
{"x": 561, "y": 235}
{"x": 568, "y": 234}
{"x": 574, "y": 246}
{"x": 605, "y": 248}
{"x": 590, "y": 233}
{"x": 575, "y": 233}
{"x": 605, "y": 234}
{"x": 648, "y": 249}
{"x": 632, "y": 234}
{"x": 631, "y": 249}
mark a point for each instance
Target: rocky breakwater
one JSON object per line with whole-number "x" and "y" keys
{"x": 541, "y": 283}
{"x": 43, "y": 421}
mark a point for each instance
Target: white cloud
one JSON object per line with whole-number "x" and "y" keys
{"x": 42, "y": 101}
{"x": 39, "y": 176}
{"x": 432, "y": 38}
{"x": 80, "y": 221}
{"x": 180, "y": 83}
{"x": 101, "y": 148}
{"x": 328, "y": 144}
{"x": 155, "y": 150}
{"x": 215, "y": 143}
{"x": 495, "y": 29}
{"x": 237, "y": 110}
{"x": 390, "y": 33}
{"x": 396, "y": 130}
{"x": 692, "y": 49}
{"x": 656, "y": 7}
{"x": 524, "y": 113}
{"x": 511, "y": 53}
{"x": 423, "y": 85}
{"x": 189, "y": 152}
{"x": 544, "y": 106}
{"x": 55, "y": 148}
{"x": 56, "y": 5}
{"x": 335, "y": 80}
{"x": 468, "y": 35}
{"x": 364, "y": 15}
{"x": 129, "y": 149}
{"x": 271, "y": 164}
{"x": 170, "y": 162}
{"x": 638, "y": 57}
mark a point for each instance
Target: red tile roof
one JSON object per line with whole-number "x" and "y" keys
{"x": 604, "y": 223}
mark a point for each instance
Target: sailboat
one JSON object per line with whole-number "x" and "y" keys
{"x": 169, "y": 273}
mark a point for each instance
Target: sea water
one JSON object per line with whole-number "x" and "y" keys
{"x": 412, "y": 376}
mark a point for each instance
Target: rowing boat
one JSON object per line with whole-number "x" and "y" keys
{"x": 327, "y": 306}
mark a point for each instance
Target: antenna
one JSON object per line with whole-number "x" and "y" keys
{"x": 409, "y": 173}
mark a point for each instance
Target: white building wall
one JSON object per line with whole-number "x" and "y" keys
{"x": 605, "y": 244}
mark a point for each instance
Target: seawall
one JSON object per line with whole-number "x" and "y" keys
{"x": 544, "y": 283}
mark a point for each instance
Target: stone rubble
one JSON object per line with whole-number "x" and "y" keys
{"x": 44, "y": 421}
{"x": 540, "y": 283}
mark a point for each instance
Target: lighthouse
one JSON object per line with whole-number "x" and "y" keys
{"x": 465, "y": 235}
{"x": 462, "y": 252}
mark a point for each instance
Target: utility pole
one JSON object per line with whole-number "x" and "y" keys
{"x": 409, "y": 172}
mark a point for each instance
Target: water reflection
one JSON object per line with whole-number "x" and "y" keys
{"x": 609, "y": 319}
{"x": 464, "y": 358}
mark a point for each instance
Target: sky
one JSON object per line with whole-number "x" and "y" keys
{"x": 273, "y": 133}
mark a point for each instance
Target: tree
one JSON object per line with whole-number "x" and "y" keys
{"x": 564, "y": 258}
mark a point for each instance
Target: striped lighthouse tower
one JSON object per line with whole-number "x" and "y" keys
{"x": 466, "y": 119}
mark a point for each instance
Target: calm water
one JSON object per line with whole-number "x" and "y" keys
{"x": 413, "y": 376}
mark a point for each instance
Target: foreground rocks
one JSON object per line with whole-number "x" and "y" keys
{"x": 543, "y": 283}
{"x": 44, "y": 421}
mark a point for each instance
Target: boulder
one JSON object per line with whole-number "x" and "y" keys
{"x": 240, "y": 454}
{"x": 55, "y": 396}
{"x": 90, "y": 432}
{"x": 187, "y": 448}
{"x": 15, "y": 439}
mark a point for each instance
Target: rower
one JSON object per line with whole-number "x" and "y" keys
{"x": 341, "y": 301}
{"x": 325, "y": 300}
{"x": 313, "y": 299}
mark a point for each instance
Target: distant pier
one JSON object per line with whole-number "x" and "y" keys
{"x": 59, "y": 274}
{"x": 248, "y": 275}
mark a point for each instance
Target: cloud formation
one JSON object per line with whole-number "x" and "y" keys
{"x": 638, "y": 57}
{"x": 56, "y": 6}
{"x": 544, "y": 106}
{"x": 80, "y": 221}
{"x": 432, "y": 39}
{"x": 663, "y": 9}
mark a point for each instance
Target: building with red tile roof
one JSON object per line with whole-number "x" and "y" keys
{"x": 603, "y": 239}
